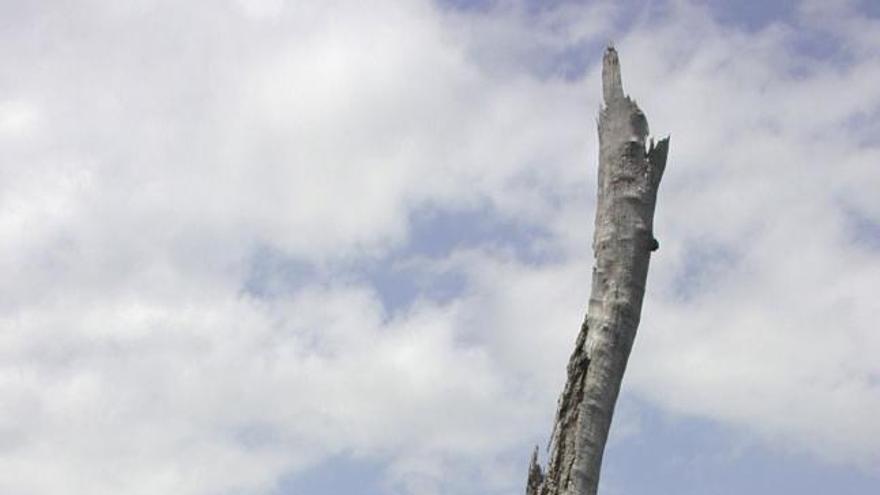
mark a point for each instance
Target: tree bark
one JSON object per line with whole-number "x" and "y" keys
{"x": 629, "y": 175}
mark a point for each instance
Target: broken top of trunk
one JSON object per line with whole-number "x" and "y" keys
{"x": 612, "y": 85}
{"x": 629, "y": 175}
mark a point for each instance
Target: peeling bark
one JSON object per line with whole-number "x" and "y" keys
{"x": 629, "y": 175}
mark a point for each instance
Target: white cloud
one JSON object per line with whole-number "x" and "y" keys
{"x": 262, "y": 9}
{"x": 165, "y": 145}
{"x": 777, "y": 336}
{"x": 17, "y": 119}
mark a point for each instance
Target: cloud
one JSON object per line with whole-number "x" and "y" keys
{"x": 780, "y": 322}
{"x": 162, "y": 156}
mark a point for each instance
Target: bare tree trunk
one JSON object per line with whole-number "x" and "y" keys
{"x": 629, "y": 174}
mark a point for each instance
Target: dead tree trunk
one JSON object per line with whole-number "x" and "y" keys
{"x": 629, "y": 174}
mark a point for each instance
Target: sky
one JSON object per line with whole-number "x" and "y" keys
{"x": 258, "y": 247}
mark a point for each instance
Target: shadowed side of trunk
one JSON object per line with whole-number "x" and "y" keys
{"x": 629, "y": 175}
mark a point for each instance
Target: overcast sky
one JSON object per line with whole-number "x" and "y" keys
{"x": 260, "y": 247}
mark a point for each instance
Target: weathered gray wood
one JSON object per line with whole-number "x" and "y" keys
{"x": 629, "y": 175}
